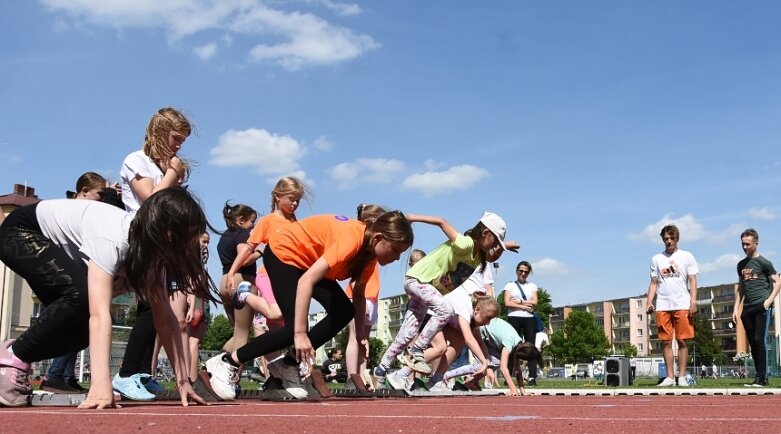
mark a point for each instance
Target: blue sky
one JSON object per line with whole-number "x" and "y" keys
{"x": 586, "y": 125}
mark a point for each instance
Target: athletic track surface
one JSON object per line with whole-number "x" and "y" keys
{"x": 461, "y": 414}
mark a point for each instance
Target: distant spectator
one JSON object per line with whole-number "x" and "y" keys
{"x": 334, "y": 368}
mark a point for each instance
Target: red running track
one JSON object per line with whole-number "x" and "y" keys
{"x": 533, "y": 414}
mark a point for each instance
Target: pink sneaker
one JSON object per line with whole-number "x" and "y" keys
{"x": 14, "y": 378}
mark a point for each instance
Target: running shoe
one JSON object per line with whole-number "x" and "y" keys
{"x": 287, "y": 370}
{"x": 682, "y": 382}
{"x": 57, "y": 385}
{"x": 74, "y": 383}
{"x": 378, "y": 377}
{"x": 224, "y": 377}
{"x": 667, "y": 382}
{"x": 238, "y": 297}
{"x": 758, "y": 382}
{"x": 396, "y": 380}
{"x": 14, "y": 378}
{"x": 151, "y": 385}
{"x": 414, "y": 358}
{"x": 131, "y": 388}
{"x": 440, "y": 386}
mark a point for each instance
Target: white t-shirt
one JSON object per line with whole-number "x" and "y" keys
{"x": 478, "y": 280}
{"x": 528, "y": 289}
{"x": 460, "y": 299}
{"x": 87, "y": 229}
{"x": 137, "y": 164}
{"x": 672, "y": 272}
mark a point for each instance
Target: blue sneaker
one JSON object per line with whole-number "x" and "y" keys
{"x": 238, "y": 300}
{"x": 150, "y": 384}
{"x": 131, "y": 388}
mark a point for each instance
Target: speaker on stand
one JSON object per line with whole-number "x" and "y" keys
{"x": 617, "y": 372}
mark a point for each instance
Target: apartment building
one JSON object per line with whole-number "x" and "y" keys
{"x": 624, "y": 321}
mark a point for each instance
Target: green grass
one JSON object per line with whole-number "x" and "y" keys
{"x": 648, "y": 382}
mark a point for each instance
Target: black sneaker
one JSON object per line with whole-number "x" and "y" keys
{"x": 72, "y": 382}
{"x": 758, "y": 382}
{"x": 532, "y": 382}
{"x": 57, "y": 385}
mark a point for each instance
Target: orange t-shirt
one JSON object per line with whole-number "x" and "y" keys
{"x": 335, "y": 238}
{"x": 372, "y": 289}
{"x": 265, "y": 226}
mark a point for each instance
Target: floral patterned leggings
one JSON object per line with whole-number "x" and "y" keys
{"x": 422, "y": 298}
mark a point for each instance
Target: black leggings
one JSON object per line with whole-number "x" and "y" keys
{"x": 58, "y": 280}
{"x": 284, "y": 283}
{"x": 140, "y": 343}
{"x": 754, "y": 319}
{"x": 527, "y": 328}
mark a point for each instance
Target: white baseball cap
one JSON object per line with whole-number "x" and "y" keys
{"x": 496, "y": 225}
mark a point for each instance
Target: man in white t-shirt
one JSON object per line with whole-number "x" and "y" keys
{"x": 674, "y": 285}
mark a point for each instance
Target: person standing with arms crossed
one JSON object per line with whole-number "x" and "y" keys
{"x": 674, "y": 285}
{"x": 758, "y": 286}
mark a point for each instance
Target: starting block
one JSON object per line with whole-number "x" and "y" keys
{"x": 202, "y": 386}
{"x": 56, "y": 399}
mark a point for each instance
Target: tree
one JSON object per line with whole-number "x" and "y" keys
{"x": 376, "y": 347}
{"x": 218, "y": 332}
{"x": 628, "y": 350}
{"x": 544, "y": 306}
{"x": 581, "y": 340}
{"x": 704, "y": 345}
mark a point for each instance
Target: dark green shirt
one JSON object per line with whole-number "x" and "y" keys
{"x": 754, "y": 274}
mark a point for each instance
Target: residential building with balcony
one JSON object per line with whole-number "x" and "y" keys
{"x": 625, "y": 321}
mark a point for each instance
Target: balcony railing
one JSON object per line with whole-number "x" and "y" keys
{"x": 724, "y": 331}
{"x": 723, "y": 298}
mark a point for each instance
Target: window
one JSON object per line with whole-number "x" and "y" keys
{"x": 639, "y": 303}
{"x": 639, "y": 317}
{"x": 640, "y": 332}
{"x": 640, "y": 348}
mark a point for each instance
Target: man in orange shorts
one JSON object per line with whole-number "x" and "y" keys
{"x": 674, "y": 285}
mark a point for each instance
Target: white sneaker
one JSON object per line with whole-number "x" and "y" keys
{"x": 224, "y": 377}
{"x": 398, "y": 381}
{"x": 440, "y": 386}
{"x": 289, "y": 374}
{"x": 682, "y": 382}
{"x": 667, "y": 382}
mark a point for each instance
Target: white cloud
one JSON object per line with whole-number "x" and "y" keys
{"x": 691, "y": 230}
{"x": 206, "y": 52}
{"x": 550, "y": 267}
{"x": 455, "y": 178}
{"x": 761, "y": 214}
{"x": 323, "y": 144}
{"x": 310, "y": 39}
{"x": 293, "y": 40}
{"x": 342, "y": 8}
{"x": 722, "y": 263}
{"x": 271, "y": 154}
{"x": 371, "y": 170}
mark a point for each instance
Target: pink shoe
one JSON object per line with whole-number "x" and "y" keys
{"x": 14, "y": 378}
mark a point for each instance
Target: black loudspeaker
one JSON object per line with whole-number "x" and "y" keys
{"x": 617, "y": 372}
